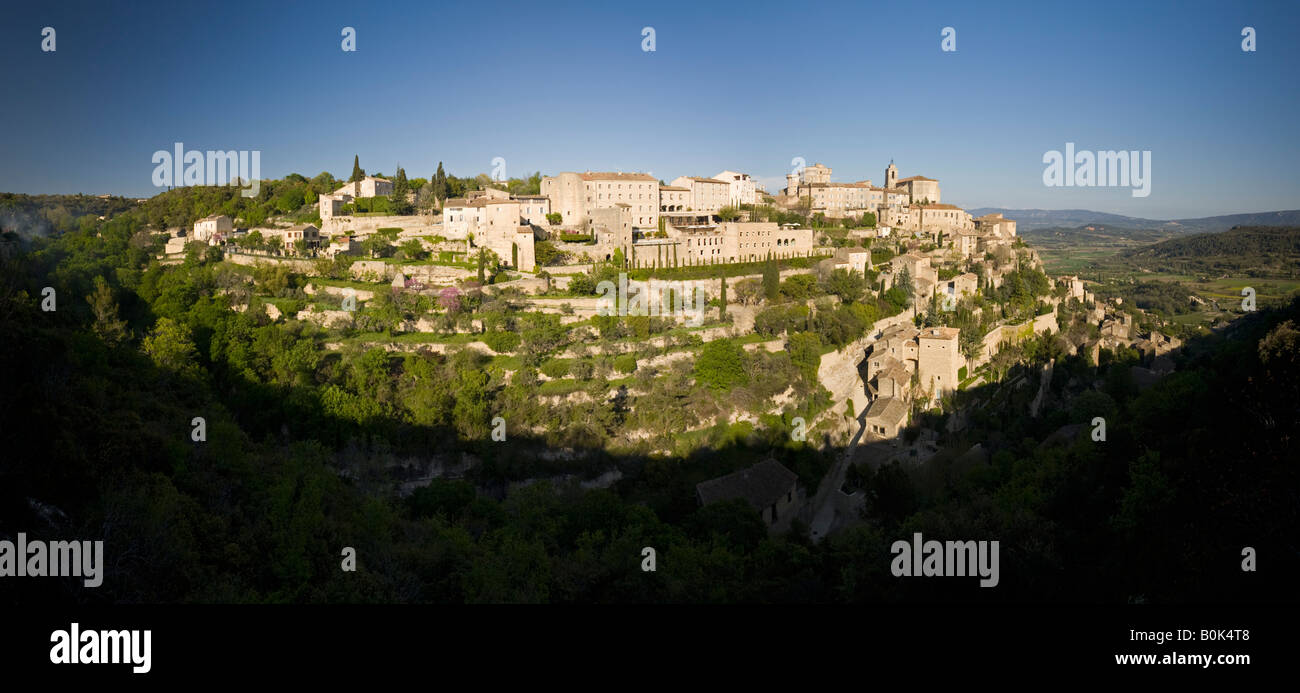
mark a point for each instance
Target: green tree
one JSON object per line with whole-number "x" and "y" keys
{"x": 399, "y": 204}
{"x": 357, "y": 172}
{"x": 440, "y": 185}
{"x": 847, "y": 284}
{"x": 412, "y": 249}
{"x": 171, "y": 346}
{"x": 904, "y": 284}
{"x": 771, "y": 279}
{"x": 722, "y": 300}
{"x": 806, "y": 352}
{"x": 721, "y": 365}
{"x": 103, "y": 303}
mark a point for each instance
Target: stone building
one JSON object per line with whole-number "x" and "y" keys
{"x": 673, "y": 198}
{"x": 369, "y": 186}
{"x": 887, "y": 417}
{"x": 704, "y": 242}
{"x": 995, "y": 226}
{"x": 209, "y": 226}
{"x": 575, "y": 195}
{"x": 707, "y": 194}
{"x": 743, "y": 191}
{"x": 920, "y": 190}
{"x": 939, "y": 360}
{"x": 768, "y": 487}
{"x": 500, "y": 225}
{"x": 300, "y": 232}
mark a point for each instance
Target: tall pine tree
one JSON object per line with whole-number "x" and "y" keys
{"x": 357, "y": 172}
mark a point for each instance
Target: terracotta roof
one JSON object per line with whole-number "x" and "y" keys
{"x": 937, "y": 206}
{"x": 912, "y": 178}
{"x": 673, "y": 188}
{"x": 760, "y": 485}
{"x": 939, "y": 333}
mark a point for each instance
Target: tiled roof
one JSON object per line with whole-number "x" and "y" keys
{"x": 889, "y": 409}
{"x": 939, "y": 333}
{"x": 760, "y": 485}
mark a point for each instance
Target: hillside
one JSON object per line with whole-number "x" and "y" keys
{"x": 1253, "y": 250}
{"x": 1028, "y": 219}
{"x": 38, "y": 215}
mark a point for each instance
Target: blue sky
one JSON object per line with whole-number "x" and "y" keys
{"x": 747, "y": 86}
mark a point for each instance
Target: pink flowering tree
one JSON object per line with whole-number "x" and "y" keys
{"x": 449, "y": 299}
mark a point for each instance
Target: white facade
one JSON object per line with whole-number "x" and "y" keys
{"x": 707, "y": 194}
{"x": 742, "y": 187}
{"x": 207, "y": 227}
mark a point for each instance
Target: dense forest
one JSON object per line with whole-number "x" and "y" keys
{"x": 101, "y": 395}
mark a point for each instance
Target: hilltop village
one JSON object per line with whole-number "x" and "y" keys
{"x": 855, "y": 313}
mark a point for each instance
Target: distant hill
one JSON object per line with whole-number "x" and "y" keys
{"x": 35, "y": 215}
{"x": 1062, "y": 218}
{"x": 1093, "y": 235}
{"x": 1028, "y": 219}
{"x": 1257, "y": 250}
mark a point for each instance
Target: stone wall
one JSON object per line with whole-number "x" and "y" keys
{"x": 994, "y": 340}
{"x": 299, "y": 266}
{"x": 379, "y": 270}
{"x": 840, "y": 371}
{"x": 415, "y": 225}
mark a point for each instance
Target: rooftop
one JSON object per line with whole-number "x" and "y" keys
{"x": 889, "y": 409}
{"x": 606, "y": 175}
{"x": 939, "y": 333}
{"x": 760, "y": 485}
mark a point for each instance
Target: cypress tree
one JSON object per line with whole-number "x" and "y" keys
{"x": 722, "y": 309}
{"x": 440, "y": 184}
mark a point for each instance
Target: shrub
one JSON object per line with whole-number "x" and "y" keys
{"x": 555, "y": 368}
{"x": 582, "y": 369}
{"x": 501, "y": 341}
{"x": 625, "y": 363}
{"x": 721, "y": 365}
